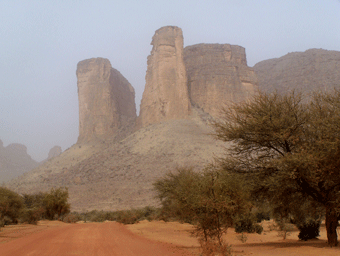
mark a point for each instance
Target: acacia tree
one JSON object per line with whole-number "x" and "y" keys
{"x": 210, "y": 200}
{"x": 290, "y": 150}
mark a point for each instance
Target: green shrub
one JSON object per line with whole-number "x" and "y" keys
{"x": 32, "y": 215}
{"x": 55, "y": 203}
{"x": 247, "y": 224}
{"x": 11, "y": 206}
{"x": 210, "y": 200}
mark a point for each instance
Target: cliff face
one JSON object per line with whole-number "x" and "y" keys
{"x": 218, "y": 75}
{"x": 314, "y": 69}
{"x": 166, "y": 94}
{"x": 106, "y": 99}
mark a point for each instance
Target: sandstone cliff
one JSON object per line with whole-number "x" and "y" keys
{"x": 218, "y": 75}
{"x": 106, "y": 100}
{"x": 166, "y": 94}
{"x": 314, "y": 69}
{"x": 14, "y": 161}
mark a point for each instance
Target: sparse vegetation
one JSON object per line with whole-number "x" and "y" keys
{"x": 210, "y": 200}
{"x": 15, "y": 208}
{"x": 55, "y": 203}
{"x": 124, "y": 216}
{"x": 11, "y": 206}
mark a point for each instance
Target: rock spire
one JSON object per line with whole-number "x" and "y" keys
{"x": 106, "y": 99}
{"x": 166, "y": 94}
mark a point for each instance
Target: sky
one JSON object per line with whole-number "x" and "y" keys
{"x": 41, "y": 43}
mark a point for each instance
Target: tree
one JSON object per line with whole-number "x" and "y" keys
{"x": 34, "y": 208}
{"x": 55, "y": 203}
{"x": 210, "y": 200}
{"x": 11, "y": 205}
{"x": 289, "y": 149}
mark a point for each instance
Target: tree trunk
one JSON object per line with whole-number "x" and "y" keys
{"x": 331, "y": 225}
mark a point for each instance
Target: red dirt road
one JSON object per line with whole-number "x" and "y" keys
{"x": 93, "y": 239}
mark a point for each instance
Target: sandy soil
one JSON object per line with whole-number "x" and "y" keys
{"x": 107, "y": 238}
{"x": 145, "y": 238}
{"x": 268, "y": 243}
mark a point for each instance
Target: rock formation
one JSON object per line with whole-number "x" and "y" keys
{"x": 184, "y": 88}
{"x": 54, "y": 152}
{"x": 314, "y": 69}
{"x": 218, "y": 75}
{"x": 106, "y": 99}
{"x": 166, "y": 94}
{"x": 14, "y": 161}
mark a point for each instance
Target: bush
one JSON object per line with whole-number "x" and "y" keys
{"x": 210, "y": 202}
{"x": 71, "y": 218}
{"x": 32, "y": 215}
{"x": 247, "y": 224}
{"x": 124, "y": 216}
{"x": 11, "y": 205}
{"x": 309, "y": 229}
{"x": 55, "y": 203}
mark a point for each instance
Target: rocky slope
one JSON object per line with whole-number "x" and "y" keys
{"x": 314, "y": 69}
{"x": 117, "y": 175}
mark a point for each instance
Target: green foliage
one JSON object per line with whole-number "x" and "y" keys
{"x": 34, "y": 208}
{"x": 289, "y": 149}
{"x": 210, "y": 200}
{"x": 55, "y": 203}
{"x": 11, "y": 205}
{"x": 32, "y": 215}
{"x": 247, "y": 223}
{"x": 124, "y": 216}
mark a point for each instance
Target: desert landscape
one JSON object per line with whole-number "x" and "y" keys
{"x": 220, "y": 157}
{"x": 146, "y": 238}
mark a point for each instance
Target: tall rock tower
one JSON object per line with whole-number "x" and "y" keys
{"x": 166, "y": 93}
{"x": 217, "y": 76}
{"x": 106, "y": 99}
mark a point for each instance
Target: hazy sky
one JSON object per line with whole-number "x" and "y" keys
{"x": 41, "y": 43}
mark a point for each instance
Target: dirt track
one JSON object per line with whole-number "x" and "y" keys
{"x": 87, "y": 239}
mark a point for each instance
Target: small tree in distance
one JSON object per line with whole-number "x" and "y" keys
{"x": 55, "y": 203}
{"x": 210, "y": 200}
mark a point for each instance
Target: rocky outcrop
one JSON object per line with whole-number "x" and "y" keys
{"x": 218, "y": 75}
{"x": 314, "y": 69}
{"x": 14, "y": 161}
{"x": 166, "y": 94}
{"x": 120, "y": 174}
{"x": 106, "y": 99}
{"x": 54, "y": 152}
